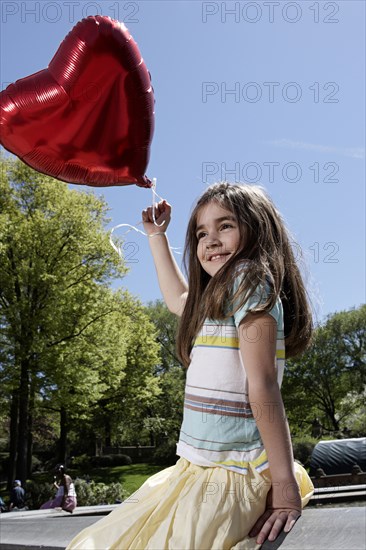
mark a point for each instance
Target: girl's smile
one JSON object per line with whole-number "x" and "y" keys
{"x": 218, "y": 237}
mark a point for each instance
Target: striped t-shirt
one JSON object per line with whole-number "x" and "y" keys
{"x": 219, "y": 427}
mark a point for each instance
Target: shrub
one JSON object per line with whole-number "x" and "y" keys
{"x": 303, "y": 449}
{"x": 100, "y": 461}
{"x": 165, "y": 454}
{"x": 37, "y": 493}
{"x": 88, "y": 494}
{"x": 36, "y": 464}
{"x": 111, "y": 460}
{"x": 81, "y": 462}
{"x": 93, "y": 494}
{"x": 121, "y": 460}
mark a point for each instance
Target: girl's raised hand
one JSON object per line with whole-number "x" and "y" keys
{"x": 283, "y": 509}
{"x": 162, "y": 214}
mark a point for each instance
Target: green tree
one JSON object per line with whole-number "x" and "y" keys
{"x": 79, "y": 371}
{"x": 166, "y": 324}
{"x": 55, "y": 260}
{"x": 316, "y": 384}
{"x": 166, "y": 420}
{"x": 121, "y": 410}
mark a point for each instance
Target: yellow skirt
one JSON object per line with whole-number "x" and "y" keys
{"x": 188, "y": 507}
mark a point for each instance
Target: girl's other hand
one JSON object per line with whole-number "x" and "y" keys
{"x": 162, "y": 214}
{"x": 283, "y": 509}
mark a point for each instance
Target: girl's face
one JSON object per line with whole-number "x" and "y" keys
{"x": 218, "y": 236}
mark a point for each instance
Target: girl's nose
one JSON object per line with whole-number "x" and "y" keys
{"x": 212, "y": 240}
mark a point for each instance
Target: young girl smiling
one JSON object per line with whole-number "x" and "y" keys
{"x": 243, "y": 309}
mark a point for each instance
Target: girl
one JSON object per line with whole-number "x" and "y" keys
{"x": 67, "y": 489}
{"x": 65, "y": 497}
{"x": 236, "y": 483}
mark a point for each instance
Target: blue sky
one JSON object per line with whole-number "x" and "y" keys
{"x": 264, "y": 92}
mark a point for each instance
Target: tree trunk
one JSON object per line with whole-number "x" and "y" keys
{"x": 22, "y": 447}
{"x": 63, "y": 437}
{"x": 107, "y": 430}
{"x": 30, "y": 428}
{"x": 334, "y": 421}
{"x": 98, "y": 446}
{"x": 14, "y": 413}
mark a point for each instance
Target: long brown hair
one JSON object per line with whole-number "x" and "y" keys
{"x": 265, "y": 241}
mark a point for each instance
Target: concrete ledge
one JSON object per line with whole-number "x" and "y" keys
{"x": 48, "y": 529}
{"x": 317, "y": 529}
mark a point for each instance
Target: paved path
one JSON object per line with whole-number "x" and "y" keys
{"x": 317, "y": 529}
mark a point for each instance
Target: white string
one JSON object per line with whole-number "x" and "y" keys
{"x": 154, "y": 194}
{"x": 132, "y": 227}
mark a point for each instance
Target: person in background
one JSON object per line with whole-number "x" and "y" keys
{"x": 68, "y": 502}
{"x": 55, "y": 502}
{"x": 65, "y": 497}
{"x": 17, "y": 497}
{"x": 3, "y": 507}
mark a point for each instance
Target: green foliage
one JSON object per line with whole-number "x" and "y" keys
{"x": 81, "y": 462}
{"x": 88, "y": 494}
{"x": 110, "y": 460}
{"x": 166, "y": 324}
{"x": 316, "y": 385}
{"x": 352, "y": 413}
{"x": 66, "y": 337}
{"x": 36, "y": 464}
{"x": 93, "y": 494}
{"x": 171, "y": 406}
{"x": 75, "y": 356}
{"x": 120, "y": 412}
{"x": 303, "y": 448}
{"x": 130, "y": 477}
{"x": 165, "y": 453}
{"x": 38, "y": 493}
{"x": 46, "y": 425}
{"x": 166, "y": 417}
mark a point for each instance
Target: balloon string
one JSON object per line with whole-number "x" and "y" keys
{"x": 154, "y": 194}
{"x": 132, "y": 227}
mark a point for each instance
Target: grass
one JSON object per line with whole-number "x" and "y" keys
{"x": 131, "y": 477}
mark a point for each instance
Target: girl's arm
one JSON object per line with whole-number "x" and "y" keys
{"x": 259, "y": 358}
{"x": 172, "y": 284}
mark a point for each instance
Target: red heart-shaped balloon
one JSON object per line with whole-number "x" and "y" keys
{"x": 89, "y": 117}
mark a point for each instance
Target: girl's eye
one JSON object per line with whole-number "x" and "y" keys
{"x": 224, "y": 225}
{"x": 200, "y": 235}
